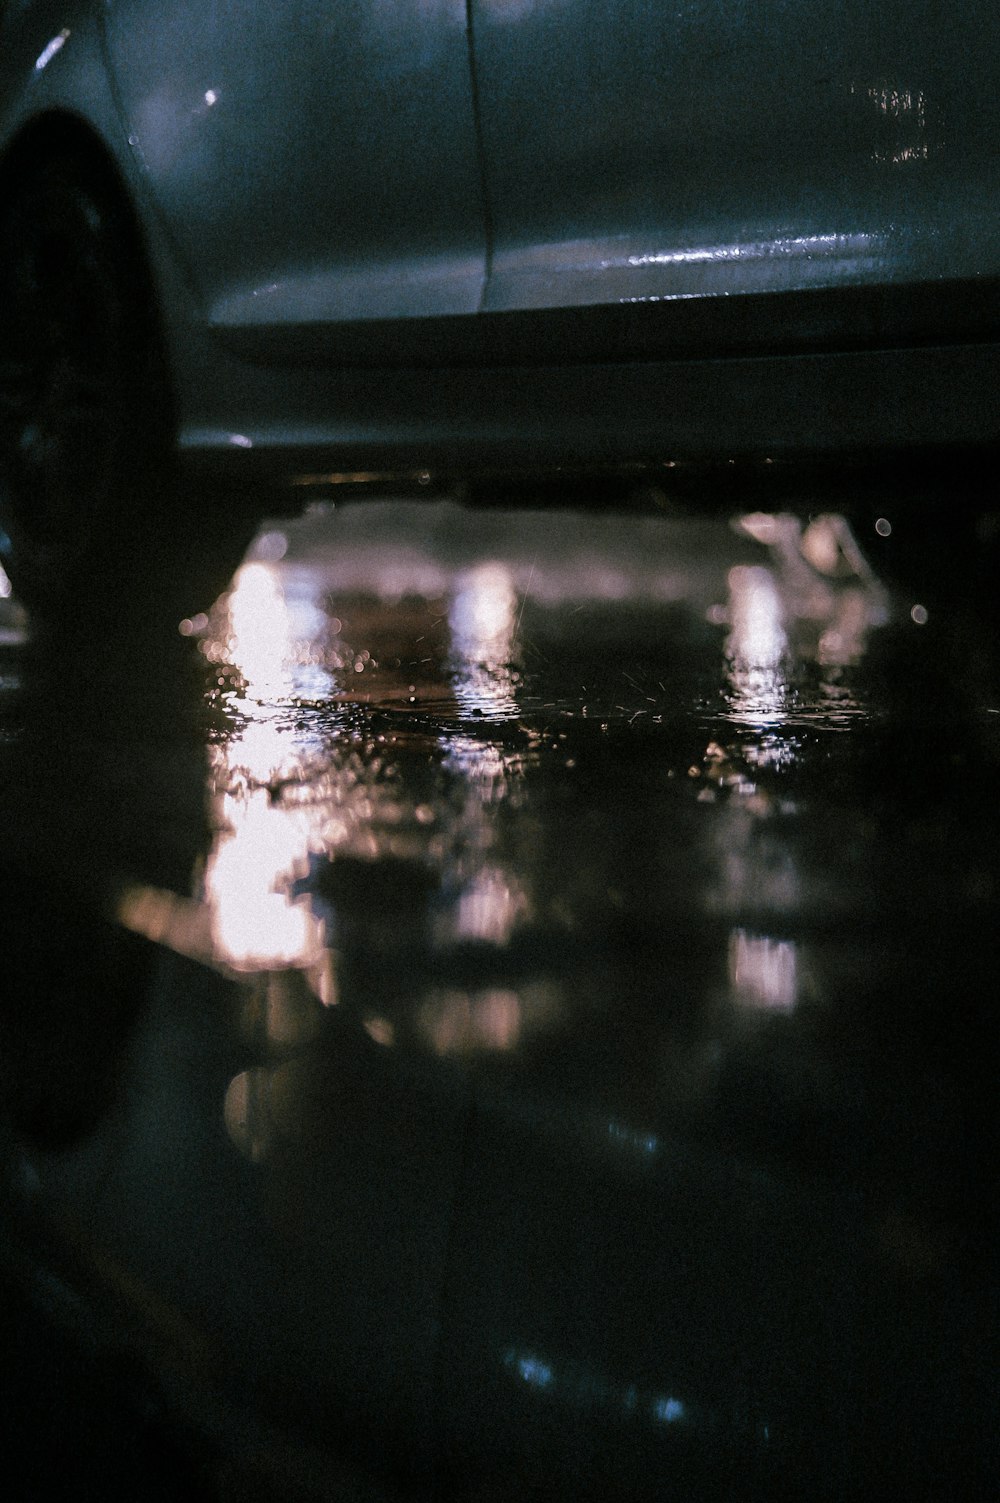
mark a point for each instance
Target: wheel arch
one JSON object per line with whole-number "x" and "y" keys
{"x": 59, "y": 153}
{"x": 57, "y": 131}
{"x": 61, "y": 134}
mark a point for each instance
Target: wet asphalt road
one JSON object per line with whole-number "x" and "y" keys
{"x": 672, "y": 829}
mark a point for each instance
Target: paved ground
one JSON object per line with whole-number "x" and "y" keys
{"x": 684, "y": 826}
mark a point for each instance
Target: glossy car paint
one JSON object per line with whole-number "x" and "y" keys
{"x": 505, "y": 232}
{"x": 638, "y": 152}
{"x": 314, "y": 162}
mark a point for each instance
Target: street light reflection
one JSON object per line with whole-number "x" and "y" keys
{"x": 260, "y": 632}
{"x": 490, "y": 905}
{"x": 763, "y": 972}
{"x": 255, "y": 922}
{"x": 482, "y": 620}
{"x": 487, "y": 1020}
{"x": 392, "y": 748}
{"x": 457, "y": 1022}
{"x": 261, "y": 846}
{"x": 757, "y": 647}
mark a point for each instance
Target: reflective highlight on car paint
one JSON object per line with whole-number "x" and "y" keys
{"x": 735, "y": 123}
{"x": 354, "y": 193}
{"x": 438, "y": 161}
{"x": 51, "y": 48}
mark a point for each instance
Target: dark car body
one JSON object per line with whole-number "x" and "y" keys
{"x": 445, "y": 233}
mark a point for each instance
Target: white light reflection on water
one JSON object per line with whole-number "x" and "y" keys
{"x": 482, "y": 621}
{"x": 254, "y": 920}
{"x": 459, "y": 1022}
{"x": 813, "y": 605}
{"x": 489, "y": 902}
{"x": 279, "y": 797}
{"x": 910, "y": 126}
{"x": 490, "y": 906}
{"x": 757, "y": 648}
{"x": 763, "y": 972}
{"x": 797, "y": 625}
{"x": 289, "y": 788}
{"x": 259, "y": 639}
{"x": 262, "y": 846}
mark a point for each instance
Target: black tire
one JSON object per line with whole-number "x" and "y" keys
{"x": 85, "y": 428}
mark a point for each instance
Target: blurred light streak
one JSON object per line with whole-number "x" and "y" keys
{"x": 490, "y": 906}
{"x": 381, "y": 1030}
{"x": 757, "y": 646}
{"x": 281, "y": 1011}
{"x": 260, "y": 642}
{"x": 487, "y": 1020}
{"x": 482, "y": 622}
{"x": 263, "y": 844}
{"x": 643, "y": 1143}
{"x": 178, "y": 923}
{"x": 763, "y": 972}
{"x": 530, "y": 1368}
{"x": 756, "y": 611}
{"x": 460, "y": 1022}
{"x": 845, "y": 640}
{"x": 482, "y": 613}
{"x": 669, "y": 1411}
{"x": 254, "y": 921}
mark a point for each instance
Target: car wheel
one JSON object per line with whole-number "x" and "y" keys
{"x": 84, "y": 416}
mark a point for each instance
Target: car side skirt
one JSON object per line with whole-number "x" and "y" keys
{"x": 296, "y": 422}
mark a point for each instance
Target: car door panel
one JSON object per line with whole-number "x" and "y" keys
{"x": 636, "y": 150}
{"x": 315, "y": 160}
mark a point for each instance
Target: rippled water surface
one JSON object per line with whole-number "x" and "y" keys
{"x": 525, "y": 784}
{"x": 650, "y": 826}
